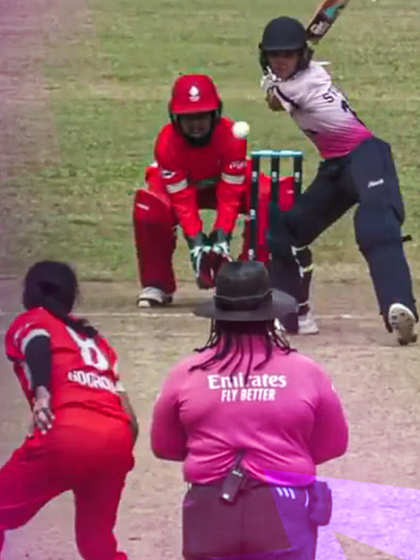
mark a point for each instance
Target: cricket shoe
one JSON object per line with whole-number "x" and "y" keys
{"x": 307, "y": 324}
{"x": 153, "y": 297}
{"x": 402, "y": 321}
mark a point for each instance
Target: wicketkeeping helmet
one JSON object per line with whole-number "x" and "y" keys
{"x": 194, "y": 93}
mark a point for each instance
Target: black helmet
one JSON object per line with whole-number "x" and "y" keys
{"x": 283, "y": 34}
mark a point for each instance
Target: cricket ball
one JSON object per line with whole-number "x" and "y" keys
{"x": 240, "y": 129}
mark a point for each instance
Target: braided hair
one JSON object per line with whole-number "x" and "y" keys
{"x": 233, "y": 341}
{"x": 53, "y": 285}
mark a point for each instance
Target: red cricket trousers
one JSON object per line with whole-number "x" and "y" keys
{"x": 85, "y": 452}
{"x": 155, "y": 220}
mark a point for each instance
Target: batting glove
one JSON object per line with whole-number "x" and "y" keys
{"x": 268, "y": 81}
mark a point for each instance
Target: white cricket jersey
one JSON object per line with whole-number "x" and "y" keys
{"x": 320, "y": 110}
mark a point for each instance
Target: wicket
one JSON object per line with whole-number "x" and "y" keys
{"x": 274, "y": 156}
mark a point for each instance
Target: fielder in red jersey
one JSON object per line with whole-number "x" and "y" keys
{"x": 83, "y": 426}
{"x": 200, "y": 162}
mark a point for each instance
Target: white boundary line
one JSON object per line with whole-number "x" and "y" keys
{"x": 138, "y": 334}
{"x": 165, "y": 315}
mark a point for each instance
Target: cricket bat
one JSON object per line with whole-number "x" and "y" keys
{"x": 323, "y": 18}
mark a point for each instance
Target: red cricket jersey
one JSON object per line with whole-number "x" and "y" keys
{"x": 83, "y": 370}
{"x": 219, "y": 165}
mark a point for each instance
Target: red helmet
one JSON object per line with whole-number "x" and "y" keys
{"x": 194, "y": 93}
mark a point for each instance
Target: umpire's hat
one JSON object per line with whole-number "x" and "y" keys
{"x": 244, "y": 293}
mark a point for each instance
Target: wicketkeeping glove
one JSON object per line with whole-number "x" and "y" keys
{"x": 219, "y": 243}
{"x": 199, "y": 249}
{"x": 219, "y": 249}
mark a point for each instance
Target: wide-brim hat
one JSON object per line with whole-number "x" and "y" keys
{"x": 243, "y": 293}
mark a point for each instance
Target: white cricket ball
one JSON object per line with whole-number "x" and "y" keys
{"x": 240, "y": 129}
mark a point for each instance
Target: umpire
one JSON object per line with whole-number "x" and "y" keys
{"x": 250, "y": 418}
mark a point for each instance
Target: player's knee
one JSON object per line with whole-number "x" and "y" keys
{"x": 375, "y": 227}
{"x": 150, "y": 209}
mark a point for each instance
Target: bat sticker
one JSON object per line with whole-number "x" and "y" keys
{"x": 323, "y": 18}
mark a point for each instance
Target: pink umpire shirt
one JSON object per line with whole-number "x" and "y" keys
{"x": 288, "y": 418}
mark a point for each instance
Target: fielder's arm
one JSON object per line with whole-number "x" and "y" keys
{"x": 38, "y": 360}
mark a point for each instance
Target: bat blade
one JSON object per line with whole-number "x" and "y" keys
{"x": 323, "y": 18}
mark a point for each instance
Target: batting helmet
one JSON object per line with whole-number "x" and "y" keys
{"x": 284, "y": 34}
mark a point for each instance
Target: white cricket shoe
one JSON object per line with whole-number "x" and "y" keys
{"x": 307, "y": 324}
{"x": 402, "y": 321}
{"x": 151, "y": 297}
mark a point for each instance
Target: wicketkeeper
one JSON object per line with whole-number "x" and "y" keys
{"x": 200, "y": 162}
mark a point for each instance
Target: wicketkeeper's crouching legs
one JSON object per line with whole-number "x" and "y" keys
{"x": 155, "y": 238}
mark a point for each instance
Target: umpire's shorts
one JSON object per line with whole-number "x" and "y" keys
{"x": 265, "y": 523}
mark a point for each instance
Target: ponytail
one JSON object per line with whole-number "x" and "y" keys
{"x": 80, "y": 325}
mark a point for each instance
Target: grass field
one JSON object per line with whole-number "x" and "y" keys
{"x": 87, "y": 108}
{"x": 109, "y": 83}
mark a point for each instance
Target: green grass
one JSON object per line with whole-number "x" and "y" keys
{"x": 110, "y": 85}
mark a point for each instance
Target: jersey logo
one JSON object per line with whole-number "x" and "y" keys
{"x": 377, "y": 183}
{"x": 194, "y": 94}
{"x": 239, "y": 164}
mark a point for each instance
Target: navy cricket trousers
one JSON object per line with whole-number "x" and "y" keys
{"x": 366, "y": 177}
